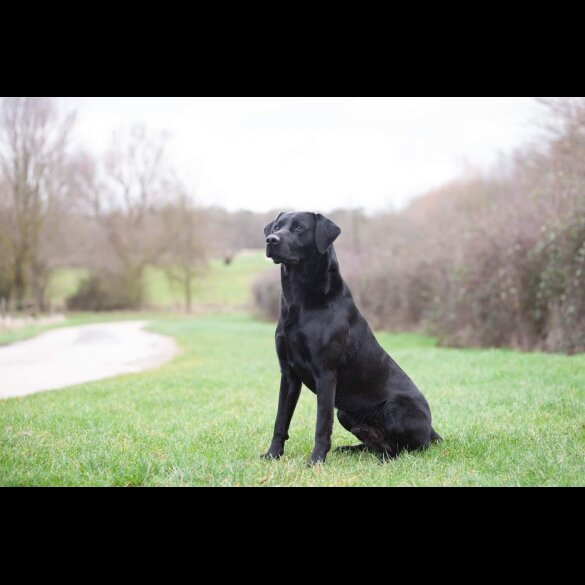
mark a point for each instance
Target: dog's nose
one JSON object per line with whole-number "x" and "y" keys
{"x": 272, "y": 239}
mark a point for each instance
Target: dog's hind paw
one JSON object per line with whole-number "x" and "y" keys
{"x": 350, "y": 448}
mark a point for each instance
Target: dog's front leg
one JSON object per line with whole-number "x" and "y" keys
{"x": 290, "y": 388}
{"x": 326, "y": 384}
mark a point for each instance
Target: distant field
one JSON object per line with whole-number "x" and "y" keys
{"x": 508, "y": 419}
{"x": 64, "y": 283}
{"x": 218, "y": 285}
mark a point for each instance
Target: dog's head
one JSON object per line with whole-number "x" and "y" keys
{"x": 295, "y": 236}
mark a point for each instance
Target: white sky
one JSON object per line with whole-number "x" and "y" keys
{"x": 315, "y": 153}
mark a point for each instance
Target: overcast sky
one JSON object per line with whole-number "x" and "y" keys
{"x": 316, "y": 153}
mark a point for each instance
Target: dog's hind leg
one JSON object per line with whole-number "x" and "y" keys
{"x": 371, "y": 437}
{"x": 348, "y": 422}
{"x": 352, "y": 448}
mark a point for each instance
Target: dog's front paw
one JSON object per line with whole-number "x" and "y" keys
{"x": 317, "y": 458}
{"x": 273, "y": 454}
{"x": 313, "y": 463}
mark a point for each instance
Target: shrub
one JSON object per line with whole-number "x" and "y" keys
{"x": 266, "y": 294}
{"x": 496, "y": 260}
{"x": 103, "y": 292}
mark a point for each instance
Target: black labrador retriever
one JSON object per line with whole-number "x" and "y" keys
{"x": 323, "y": 341}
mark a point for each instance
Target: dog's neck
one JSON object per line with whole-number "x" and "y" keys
{"x": 312, "y": 279}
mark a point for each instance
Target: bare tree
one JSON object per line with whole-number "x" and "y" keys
{"x": 34, "y": 139}
{"x": 184, "y": 254}
{"x": 6, "y": 279}
{"x": 136, "y": 183}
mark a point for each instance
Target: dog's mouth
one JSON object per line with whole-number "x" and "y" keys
{"x": 278, "y": 259}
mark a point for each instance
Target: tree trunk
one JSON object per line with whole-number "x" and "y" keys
{"x": 19, "y": 286}
{"x": 188, "y": 293}
{"x": 39, "y": 286}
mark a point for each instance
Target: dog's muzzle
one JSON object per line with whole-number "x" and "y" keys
{"x": 272, "y": 242}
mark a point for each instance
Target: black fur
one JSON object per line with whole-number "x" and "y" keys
{"x": 323, "y": 341}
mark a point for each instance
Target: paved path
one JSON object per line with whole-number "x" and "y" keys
{"x": 72, "y": 355}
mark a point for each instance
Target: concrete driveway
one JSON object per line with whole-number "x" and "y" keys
{"x": 72, "y": 355}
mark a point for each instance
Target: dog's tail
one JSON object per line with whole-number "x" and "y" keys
{"x": 435, "y": 437}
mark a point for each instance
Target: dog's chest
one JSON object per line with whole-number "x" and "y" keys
{"x": 300, "y": 341}
{"x": 298, "y": 345}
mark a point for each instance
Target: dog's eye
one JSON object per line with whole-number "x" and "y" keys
{"x": 298, "y": 227}
{"x": 276, "y": 227}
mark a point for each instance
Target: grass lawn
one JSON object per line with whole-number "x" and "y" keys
{"x": 508, "y": 418}
{"x": 63, "y": 283}
{"x": 217, "y": 286}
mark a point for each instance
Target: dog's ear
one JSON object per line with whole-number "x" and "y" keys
{"x": 268, "y": 226}
{"x": 325, "y": 232}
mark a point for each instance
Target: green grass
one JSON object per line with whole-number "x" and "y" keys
{"x": 217, "y": 286}
{"x": 63, "y": 283}
{"x": 508, "y": 418}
